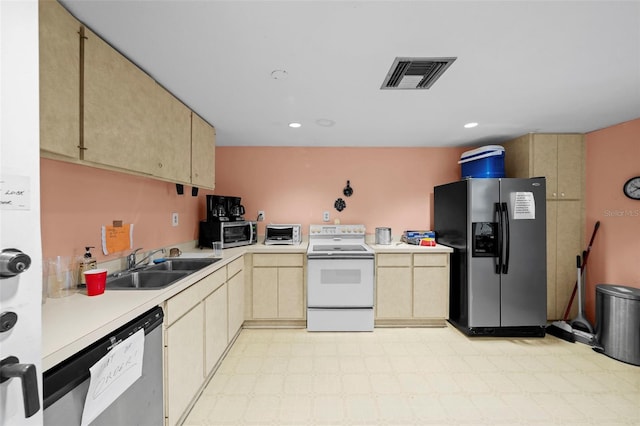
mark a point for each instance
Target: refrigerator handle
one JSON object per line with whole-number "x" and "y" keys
{"x": 507, "y": 238}
{"x": 498, "y": 214}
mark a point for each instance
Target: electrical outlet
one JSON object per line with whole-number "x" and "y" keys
{"x": 260, "y": 215}
{"x": 174, "y": 219}
{"x": 325, "y": 216}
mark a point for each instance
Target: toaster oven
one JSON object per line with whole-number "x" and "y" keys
{"x": 287, "y": 234}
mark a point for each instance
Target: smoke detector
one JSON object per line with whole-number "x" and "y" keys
{"x": 415, "y": 73}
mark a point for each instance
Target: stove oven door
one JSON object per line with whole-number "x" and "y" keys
{"x": 340, "y": 282}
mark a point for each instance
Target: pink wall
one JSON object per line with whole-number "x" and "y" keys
{"x": 613, "y": 156}
{"x": 392, "y": 187}
{"x": 77, "y": 200}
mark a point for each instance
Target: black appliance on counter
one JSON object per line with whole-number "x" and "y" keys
{"x": 224, "y": 208}
{"x": 235, "y": 209}
{"x": 225, "y": 223}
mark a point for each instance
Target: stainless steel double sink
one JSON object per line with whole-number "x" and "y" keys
{"x": 158, "y": 276}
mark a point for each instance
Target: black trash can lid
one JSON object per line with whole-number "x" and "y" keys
{"x": 615, "y": 290}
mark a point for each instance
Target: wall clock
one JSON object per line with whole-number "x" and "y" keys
{"x": 631, "y": 188}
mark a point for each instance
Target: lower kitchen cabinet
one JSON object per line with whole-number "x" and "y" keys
{"x": 235, "y": 299}
{"x": 216, "y": 327}
{"x": 277, "y": 286}
{"x": 200, "y": 323}
{"x": 412, "y": 288}
{"x": 184, "y": 362}
{"x": 431, "y": 286}
{"x": 394, "y": 292}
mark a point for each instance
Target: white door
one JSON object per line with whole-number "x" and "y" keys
{"x": 20, "y": 215}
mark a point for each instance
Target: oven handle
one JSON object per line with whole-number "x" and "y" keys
{"x": 325, "y": 256}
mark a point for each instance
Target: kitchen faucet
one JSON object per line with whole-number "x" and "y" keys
{"x": 131, "y": 258}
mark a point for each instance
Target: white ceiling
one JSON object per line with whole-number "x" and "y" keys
{"x": 522, "y": 66}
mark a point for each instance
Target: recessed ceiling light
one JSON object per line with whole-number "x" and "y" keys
{"x": 470, "y": 125}
{"x": 295, "y": 125}
{"x": 325, "y": 122}
{"x": 279, "y": 74}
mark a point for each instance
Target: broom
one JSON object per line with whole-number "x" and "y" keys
{"x": 562, "y": 329}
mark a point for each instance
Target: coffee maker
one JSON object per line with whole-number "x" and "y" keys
{"x": 235, "y": 210}
{"x": 217, "y": 208}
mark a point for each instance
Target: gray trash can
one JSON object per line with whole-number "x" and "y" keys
{"x": 618, "y": 322}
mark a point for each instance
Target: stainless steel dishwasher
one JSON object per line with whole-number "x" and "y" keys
{"x": 65, "y": 386}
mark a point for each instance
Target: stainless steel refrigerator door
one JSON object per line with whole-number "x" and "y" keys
{"x": 483, "y": 283}
{"x": 523, "y": 285}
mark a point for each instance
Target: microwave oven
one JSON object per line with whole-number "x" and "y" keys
{"x": 231, "y": 234}
{"x": 283, "y": 234}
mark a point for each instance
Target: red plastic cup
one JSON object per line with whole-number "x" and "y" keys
{"x": 96, "y": 280}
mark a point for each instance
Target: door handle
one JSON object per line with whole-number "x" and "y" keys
{"x": 499, "y": 252}
{"x": 10, "y": 368}
{"x": 507, "y": 242}
{"x": 13, "y": 262}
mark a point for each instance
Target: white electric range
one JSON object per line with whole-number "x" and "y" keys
{"x": 340, "y": 279}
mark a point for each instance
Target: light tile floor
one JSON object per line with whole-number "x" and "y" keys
{"x": 415, "y": 376}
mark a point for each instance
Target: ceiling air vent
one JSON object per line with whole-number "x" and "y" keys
{"x": 415, "y": 73}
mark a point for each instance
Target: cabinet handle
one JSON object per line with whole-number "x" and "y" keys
{"x": 10, "y": 368}
{"x": 562, "y": 194}
{"x": 555, "y": 195}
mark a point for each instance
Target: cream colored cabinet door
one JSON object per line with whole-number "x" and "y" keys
{"x": 394, "y": 293}
{"x": 570, "y": 166}
{"x": 545, "y": 161}
{"x": 278, "y": 293}
{"x": 265, "y": 293}
{"x": 59, "y": 81}
{"x": 431, "y": 292}
{"x": 431, "y": 285}
{"x": 291, "y": 293}
{"x": 235, "y": 287}
{"x": 554, "y": 310}
{"x": 215, "y": 328}
{"x": 278, "y": 286}
{"x": 131, "y": 122}
{"x": 559, "y": 157}
{"x": 184, "y": 375}
{"x": 203, "y": 160}
{"x": 568, "y": 245}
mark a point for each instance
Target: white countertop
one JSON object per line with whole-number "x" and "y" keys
{"x": 70, "y": 324}
{"x": 399, "y": 247}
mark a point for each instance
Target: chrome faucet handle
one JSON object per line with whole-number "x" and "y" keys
{"x": 131, "y": 258}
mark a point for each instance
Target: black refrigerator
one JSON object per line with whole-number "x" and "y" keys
{"x": 497, "y": 230}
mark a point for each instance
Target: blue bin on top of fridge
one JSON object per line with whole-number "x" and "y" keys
{"x": 484, "y": 162}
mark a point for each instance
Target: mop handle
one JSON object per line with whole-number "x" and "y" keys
{"x": 584, "y": 265}
{"x": 579, "y": 281}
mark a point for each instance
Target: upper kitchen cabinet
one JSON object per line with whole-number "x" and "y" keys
{"x": 59, "y": 82}
{"x": 558, "y": 157}
{"x": 130, "y": 121}
{"x": 203, "y": 143}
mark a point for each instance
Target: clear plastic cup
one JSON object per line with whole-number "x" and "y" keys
{"x": 217, "y": 249}
{"x": 60, "y": 276}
